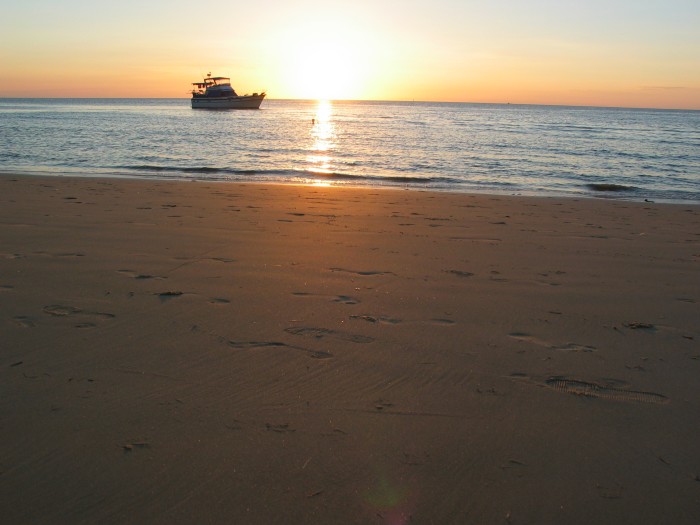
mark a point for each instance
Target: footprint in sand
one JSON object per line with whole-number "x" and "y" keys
{"x": 646, "y": 327}
{"x": 24, "y": 321}
{"x": 282, "y": 428}
{"x": 376, "y": 319}
{"x": 86, "y": 324}
{"x": 60, "y": 254}
{"x": 344, "y": 299}
{"x": 460, "y": 273}
{"x": 610, "y": 391}
{"x": 393, "y": 321}
{"x": 139, "y": 276}
{"x": 166, "y": 296}
{"x": 320, "y": 333}
{"x": 565, "y": 347}
{"x": 249, "y": 345}
{"x": 59, "y": 310}
{"x": 361, "y": 272}
{"x": 583, "y": 388}
{"x": 442, "y": 322}
{"x": 485, "y": 240}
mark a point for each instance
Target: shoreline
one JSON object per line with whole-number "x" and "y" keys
{"x": 258, "y": 353}
{"x": 596, "y": 191}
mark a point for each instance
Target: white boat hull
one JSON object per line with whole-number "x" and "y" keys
{"x": 237, "y": 102}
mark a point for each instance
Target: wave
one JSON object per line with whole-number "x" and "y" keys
{"x": 184, "y": 169}
{"x": 609, "y": 187}
{"x": 289, "y": 175}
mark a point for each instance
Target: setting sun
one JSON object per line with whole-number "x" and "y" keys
{"x": 325, "y": 60}
{"x": 324, "y": 72}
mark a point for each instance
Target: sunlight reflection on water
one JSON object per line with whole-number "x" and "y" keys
{"x": 322, "y": 135}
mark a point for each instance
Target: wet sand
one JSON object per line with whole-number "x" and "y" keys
{"x": 189, "y": 352}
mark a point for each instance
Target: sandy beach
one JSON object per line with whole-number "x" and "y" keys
{"x": 192, "y": 352}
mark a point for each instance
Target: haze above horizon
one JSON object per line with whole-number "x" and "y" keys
{"x": 624, "y": 53}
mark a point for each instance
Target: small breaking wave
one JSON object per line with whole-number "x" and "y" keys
{"x": 182, "y": 169}
{"x": 609, "y": 187}
{"x": 217, "y": 173}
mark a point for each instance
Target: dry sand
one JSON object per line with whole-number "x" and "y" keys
{"x": 189, "y": 352}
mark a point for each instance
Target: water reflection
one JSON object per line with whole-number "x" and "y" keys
{"x": 323, "y": 136}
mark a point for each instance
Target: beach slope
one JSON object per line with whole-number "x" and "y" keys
{"x": 190, "y": 352}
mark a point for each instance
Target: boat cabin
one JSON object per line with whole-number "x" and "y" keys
{"x": 213, "y": 87}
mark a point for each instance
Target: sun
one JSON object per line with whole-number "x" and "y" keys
{"x": 324, "y": 60}
{"x": 325, "y": 72}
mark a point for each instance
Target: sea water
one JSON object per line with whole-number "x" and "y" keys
{"x": 487, "y": 148}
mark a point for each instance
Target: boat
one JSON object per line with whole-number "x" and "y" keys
{"x": 217, "y": 93}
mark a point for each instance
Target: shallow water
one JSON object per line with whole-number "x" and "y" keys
{"x": 514, "y": 149}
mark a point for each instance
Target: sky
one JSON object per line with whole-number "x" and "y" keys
{"x": 641, "y": 53}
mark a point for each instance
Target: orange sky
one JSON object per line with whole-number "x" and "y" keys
{"x": 644, "y": 53}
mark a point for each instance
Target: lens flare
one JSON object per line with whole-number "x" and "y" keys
{"x": 390, "y": 500}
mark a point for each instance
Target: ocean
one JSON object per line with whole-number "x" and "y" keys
{"x": 631, "y": 154}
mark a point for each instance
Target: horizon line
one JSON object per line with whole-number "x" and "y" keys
{"x": 409, "y": 101}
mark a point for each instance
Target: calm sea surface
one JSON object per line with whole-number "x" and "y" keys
{"x": 530, "y": 150}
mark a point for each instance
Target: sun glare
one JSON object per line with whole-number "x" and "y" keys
{"x": 324, "y": 74}
{"x": 324, "y": 60}
{"x": 323, "y": 135}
